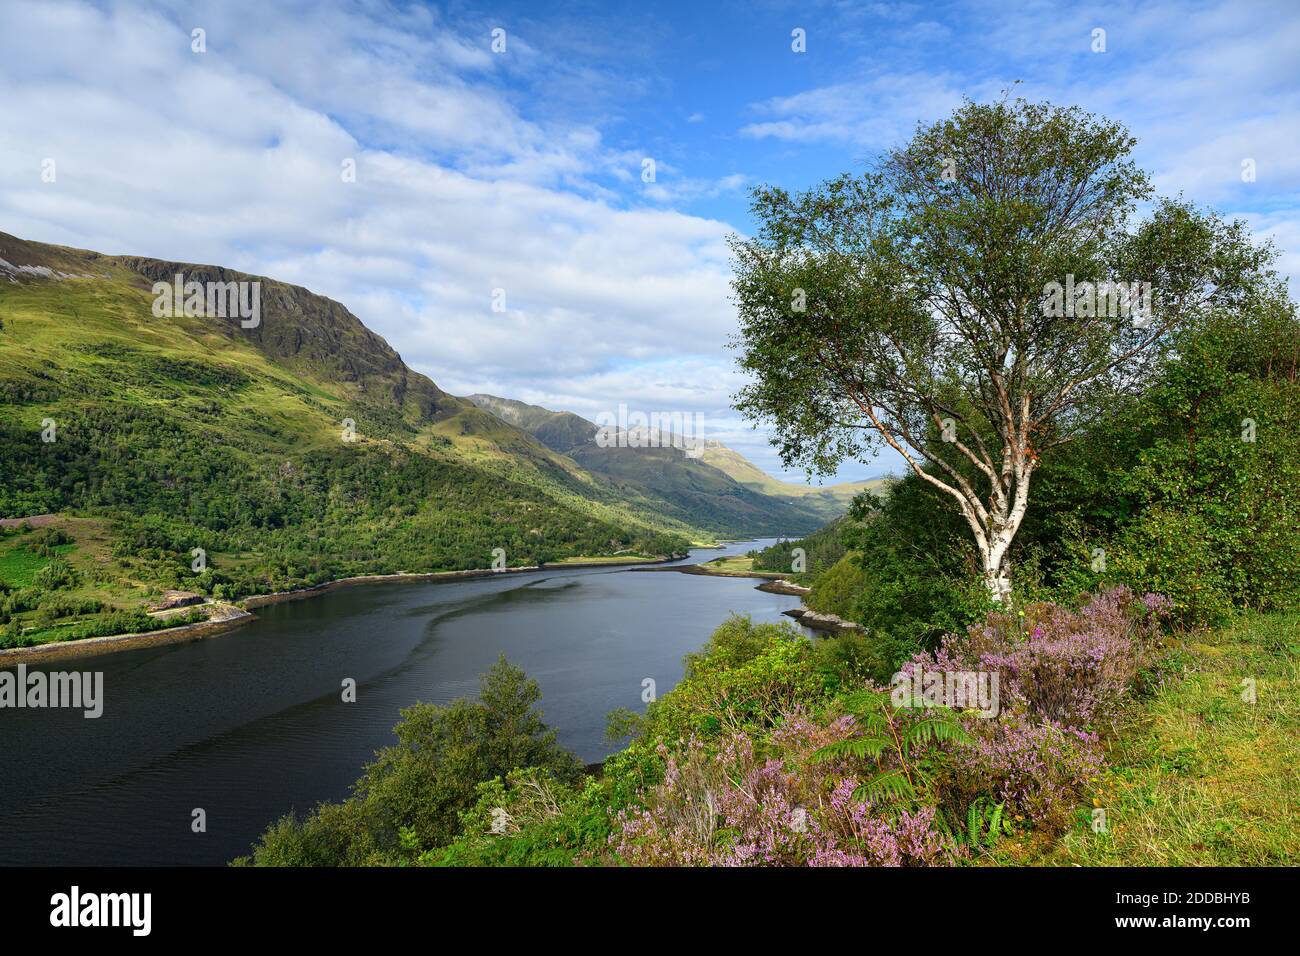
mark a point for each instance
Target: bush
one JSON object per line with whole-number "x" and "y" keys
{"x": 410, "y": 800}
{"x": 57, "y": 574}
{"x": 1062, "y": 676}
{"x": 1057, "y": 664}
{"x": 11, "y": 635}
{"x": 838, "y": 590}
{"x": 746, "y": 678}
{"x": 528, "y": 819}
{"x": 1037, "y": 769}
{"x": 44, "y": 541}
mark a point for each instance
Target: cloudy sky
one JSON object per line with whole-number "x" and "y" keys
{"x": 522, "y": 170}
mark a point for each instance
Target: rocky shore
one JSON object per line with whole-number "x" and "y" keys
{"x": 827, "y": 623}
{"x": 224, "y": 617}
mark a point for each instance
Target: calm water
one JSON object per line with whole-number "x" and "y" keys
{"x": 250, "y": 725}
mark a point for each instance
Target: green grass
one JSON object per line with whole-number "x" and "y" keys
{"x": 1200, "y": 776}
{"x": 734, "y": 564}
{"x": 604, "y": 559}
{"x": 18, "y": 566}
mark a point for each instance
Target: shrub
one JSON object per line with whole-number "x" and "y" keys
{"x": 1057, "y": 664}
{"x": 11, "y": 635}
{"x": 410, "y": 799}
{"x": 528, "y": 819}
{"x": 57, "y": 574}
{"x": 43, "y": 541}
{"x": 1062, "y": 675}
{"x": 736, "y": 807}
{"x": 746, "y": 678}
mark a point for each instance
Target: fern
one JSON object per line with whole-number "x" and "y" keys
{"x": 859, "y": 747}
{"x": 891, "y": 783}
{"x": 883, "y": 734}
{"x": 984, "y": 824}
{"x": 974, "y": 823}
{"x": 995, "y": 822}
{"x": 942, "y": 728}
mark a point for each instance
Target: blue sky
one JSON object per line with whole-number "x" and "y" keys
{"x": 522, "y": 170}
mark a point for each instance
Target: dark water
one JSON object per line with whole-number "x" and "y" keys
{"x": 251, "y": 724}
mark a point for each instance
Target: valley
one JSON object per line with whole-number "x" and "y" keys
{"x": 153, "y": 450}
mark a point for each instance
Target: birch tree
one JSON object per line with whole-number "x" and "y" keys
{"x": 974, "y": 299}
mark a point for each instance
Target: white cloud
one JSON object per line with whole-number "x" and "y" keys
{"x": 873, "y": 112}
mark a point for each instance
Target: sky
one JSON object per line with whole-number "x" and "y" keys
{"x": 519, "y": 176}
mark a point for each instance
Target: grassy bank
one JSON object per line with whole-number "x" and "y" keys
{"x": 1199, "y": 775}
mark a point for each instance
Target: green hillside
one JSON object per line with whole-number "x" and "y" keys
{"x": 694, "y": 492}
{"x": 180, "y": 433}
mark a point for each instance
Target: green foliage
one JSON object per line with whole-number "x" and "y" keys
{"x": 852, "y": 657}
{"x": 528, "y": 820}
{"x": 743, "y": 679}
{"x": 56, "y": 574}
{"x": 909, "y": 578}
{"x": 335, "y": 834}
{"x": 45, "y": 541}
{"x": 822, "y": 549}
{"x": 747, "y": 676}
{"x": 11, "y": 635}
{"x": 838, "y": 589}
{"x": 411, "y": 798}
{"x": 985, "y": 823}
{"x": 691, "y": 491}
{"x": 114, "y": 622}
{"x": 900, "y": 744}
{"x": 1170, "y": 492}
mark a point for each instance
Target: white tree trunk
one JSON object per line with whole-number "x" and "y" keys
{"x": 1005, "y": 522}
{"x": 998, "y": 581}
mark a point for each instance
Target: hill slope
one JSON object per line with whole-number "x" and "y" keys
{"x": 559, "y": 431}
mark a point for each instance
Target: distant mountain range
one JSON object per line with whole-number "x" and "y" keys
{"x": 717, "y": 485}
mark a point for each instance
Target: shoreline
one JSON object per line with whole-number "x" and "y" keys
{"x": 233, "y": 614}
{"x": 227, "y": 617}
{"x": 816, "y": 621}
{"x": 783, "y": 586}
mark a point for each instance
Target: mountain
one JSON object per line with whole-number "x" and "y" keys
{"x": 559, "y": 431}
{"x": 290, "y": 447}
{"x": 829, "y": 501}
{"x": 720, "y": 489}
